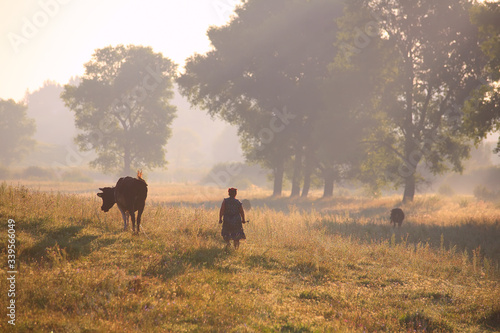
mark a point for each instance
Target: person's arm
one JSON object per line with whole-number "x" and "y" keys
{"x": 242, "y": 214}
{"x": 222, "y": 209}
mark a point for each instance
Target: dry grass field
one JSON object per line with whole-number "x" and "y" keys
{"x": 310, "y": 265}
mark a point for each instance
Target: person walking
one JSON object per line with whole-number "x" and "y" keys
{"x": 232, "y": 217}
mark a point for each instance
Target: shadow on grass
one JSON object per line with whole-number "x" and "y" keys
{"x": 262, "y": 261}
{"x": 467, "y": 236}
{"x": 66, "y": 238}
{"x": 173, "y": 264}
{"x": 492, "y": 320}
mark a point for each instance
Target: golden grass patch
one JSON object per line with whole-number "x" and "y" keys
{"x": 307, "y": 265}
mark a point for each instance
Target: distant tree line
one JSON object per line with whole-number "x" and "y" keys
{"x": 320, "y": 90}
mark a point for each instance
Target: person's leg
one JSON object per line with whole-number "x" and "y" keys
{"x": 236, "y": 243}
{"x": 228, "y": 245}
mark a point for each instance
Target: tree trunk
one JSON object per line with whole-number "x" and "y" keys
{"x": 307, "y": 177}
{"x": 411, "y": 151}
{"x": 329, "y": 183}
{"x": 278, "y": 179}
{"x": 297, "y": 168}
{"x": 413, "y": 157}
{"x": 307, "y": 183}
{"x": 409, "y": 192}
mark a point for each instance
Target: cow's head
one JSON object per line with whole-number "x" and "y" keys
{"x": 108, "y": 198}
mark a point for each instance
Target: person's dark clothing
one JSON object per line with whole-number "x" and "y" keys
{"x": 232, "y": 227}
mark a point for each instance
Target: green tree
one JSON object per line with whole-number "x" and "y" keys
{"x": 16, "y": 131}
{"x": 122, "y": 107}
{"x": 427, "y": 62}
{"x": 264, "y": 74}
{"x": 482, "y": 111}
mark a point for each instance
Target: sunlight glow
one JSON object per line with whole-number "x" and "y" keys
{"x": 52, "y": 39}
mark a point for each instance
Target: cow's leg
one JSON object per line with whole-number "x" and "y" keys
{"x": 139, "y": 215}
{"x": 132, "y": 216}
{"x": 125, "y": 217}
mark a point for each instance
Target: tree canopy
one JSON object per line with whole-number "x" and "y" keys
{"x": 264, "y": 74}
{"x": 431, "y": 64}
{"x": 122, "y": 107}
{"x": 482, "y": 111}
{"x": 366, "y": 89}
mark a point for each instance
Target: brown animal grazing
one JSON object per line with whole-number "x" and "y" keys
{"x": 129, "y": 194}
{"x": 246, "y": 204}
{"x": 397, "y": 216}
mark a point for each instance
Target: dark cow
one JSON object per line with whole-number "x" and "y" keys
{"x": 246, "y": 204}
{"x": 129, "y": 194}
{"x": 397, "y": 216}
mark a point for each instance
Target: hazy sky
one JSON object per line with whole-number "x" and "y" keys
{"x": 52, "y": 39}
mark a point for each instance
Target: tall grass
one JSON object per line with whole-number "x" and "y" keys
{"x": 306, "y": 266}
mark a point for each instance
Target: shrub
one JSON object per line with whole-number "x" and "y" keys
{"x": 463, "y": 203}
{"x": 481, "y": 192}
{"x": 34, "y": 172}
{"x": 446, "y": 190}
